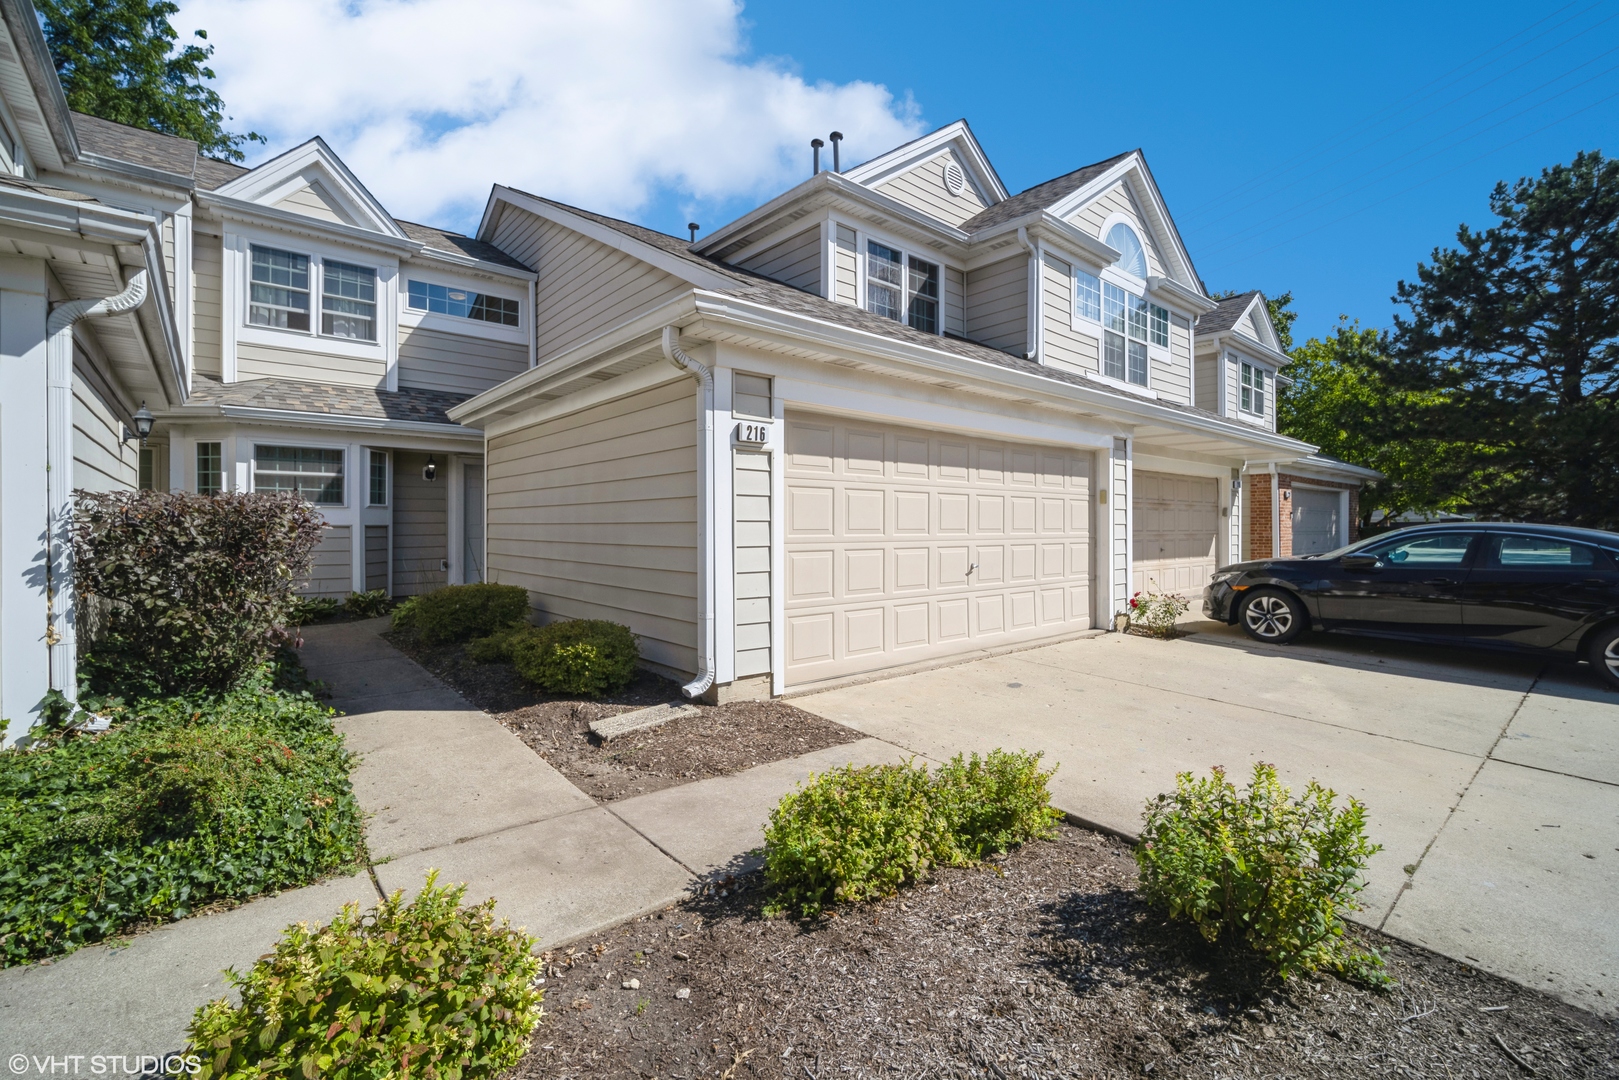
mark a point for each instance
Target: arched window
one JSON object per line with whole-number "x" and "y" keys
{"x": 1132, "y": 260}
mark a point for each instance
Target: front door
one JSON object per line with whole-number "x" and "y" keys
{"x": 1414, "y": 588}
{"x": 472, "y": 523}
{"x": 1535, "y": 590}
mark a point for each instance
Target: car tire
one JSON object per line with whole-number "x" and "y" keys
{"x": 1604, "y": 656}
{"x": 1272, "y": 616}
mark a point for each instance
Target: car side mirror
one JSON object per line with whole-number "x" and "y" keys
{"x": 1359, "y": 562}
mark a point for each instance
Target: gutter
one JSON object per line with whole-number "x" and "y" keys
{"x": 706, "y": 645}
{"x": 61, "y": 629}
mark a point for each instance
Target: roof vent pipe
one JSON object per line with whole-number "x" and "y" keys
{"x": 837, "y": 140}
{"x": 693, "y": 226}
{"x": 815, "y": 148}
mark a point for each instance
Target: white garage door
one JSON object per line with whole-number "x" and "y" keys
{"x": 1176, "y": 519}
{"x": 1317, "y": 520}
{"x": 906, "y": 545}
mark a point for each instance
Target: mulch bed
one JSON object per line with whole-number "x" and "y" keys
{"x": 1044, "y": 963}
{"x": 715, "y": 741}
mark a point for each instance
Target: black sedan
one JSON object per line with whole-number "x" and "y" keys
{"x": 1529, "y": 588}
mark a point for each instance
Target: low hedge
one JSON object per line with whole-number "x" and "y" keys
{"x": 463, "y": 612}
{"x": 1278, "y": 872}
{"x": 587, "y": 657}
{"x": 183, "y": 802}
{"x": 857, "y": 834}
{"x": 427, "y": 988}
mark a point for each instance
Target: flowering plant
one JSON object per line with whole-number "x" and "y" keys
{"x": 1154, "y": 613}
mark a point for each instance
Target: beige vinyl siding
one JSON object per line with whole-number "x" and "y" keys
{"x": 998, "y": 304}
{"x": 168, "y": 251}
{"x": 955, "y": 290}
{"x": 795, "y": 261}
{"x": 207, "y": 315}
{"x": 923, "y": 187}
{"x": 268, "y": 362}
{"x": 311, "y": 203}
{"x": 458, "y": 363}
{"x": 846, "y": 268}
{"x": 1118, "y": 200}
{"x": 1064, "y": 346}
{"x": 421, "y": 520}
{"x": 585, "y": 288}
{"x": 333, "y": 571}
{"x": 751, "y": 493}
{"x": 1172, "y": 377}
{"x": 376, "y": 557}
{"x": 1233, "y": 384}
{"x": 596, "y": 515}
{"x": 101, "y": 461}
{"x": 1206, "y": 382}
{"x": 1249, "y": 324}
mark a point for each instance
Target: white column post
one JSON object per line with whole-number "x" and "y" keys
{"x": 24, "y": 662}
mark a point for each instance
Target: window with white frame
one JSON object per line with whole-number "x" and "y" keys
{"x": 1253, "y": 390}
{"x": 1087, "y": 295}
{"x": 348, "y": 301}
{"x": 280, "y": 289}
{"x": 461, "y": 303}
{"x": 1124, "y": 334}
{"x": 378, "y": 495}
{"x": 1132, "y": 256}
{"x": 210, "y": 468}
{"x": 314, "y": 473}
{"x": 902, "y": 287}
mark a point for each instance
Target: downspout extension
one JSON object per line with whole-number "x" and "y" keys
{"x": 61, "y": 628}
{"x": 705, "y": 512}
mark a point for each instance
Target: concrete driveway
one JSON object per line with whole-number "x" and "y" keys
{"x": 1491, "y": 782}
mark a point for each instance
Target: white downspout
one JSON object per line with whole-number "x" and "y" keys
{"x": 705, "y": 511}
{"x": 61, "y": 630}
{"x": 1036, "y": 283}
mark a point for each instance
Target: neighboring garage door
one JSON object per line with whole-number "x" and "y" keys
{"x": 1317, "y": 520}
{"x": 1176, "y": 519}
{"x": 906, "y": 545}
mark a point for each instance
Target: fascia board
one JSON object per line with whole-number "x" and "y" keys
{"x": 467, "y": 262}
{"x": 91, "y": 222}
{"x": 1258, "y": 349}
{"x": 242, "y": 210}
{"x": 1190, "y": 297}
{"x": 760, "y": 215}
{"x": 519, "y": 388}
{"x": 249, "y": 414}
{"x": 918, "y": 150}
{"x": 34, "y": 55}
{"x": 1342, "y": 468}
{"x": 685, "y": 269}
{"x": 747, "y": 315}
{"x": 167, "y": 180}
{"x": 277, "y": 170}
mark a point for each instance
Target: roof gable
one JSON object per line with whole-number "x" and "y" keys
{"x": 312, "y": 180}
{"x": 957, "y": 139}
{"x": 1247, "y": 314}
{"x": 1131, "y": 170}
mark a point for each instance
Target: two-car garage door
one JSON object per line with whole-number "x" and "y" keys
{"x": 905, "y": 545}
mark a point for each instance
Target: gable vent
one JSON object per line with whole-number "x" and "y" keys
{"x": 955, "y": 181}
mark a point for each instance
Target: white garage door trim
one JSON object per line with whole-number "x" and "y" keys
{"x": 1176, "y": 534}
{"x": 905, "y": 545}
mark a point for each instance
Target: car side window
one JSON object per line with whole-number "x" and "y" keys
{"x": 1444, "y": 549}
{"x": 1546, "y": 553}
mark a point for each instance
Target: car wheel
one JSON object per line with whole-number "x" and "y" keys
{"x": 1605, "y": 656}
{"x": 1272, "y": 616}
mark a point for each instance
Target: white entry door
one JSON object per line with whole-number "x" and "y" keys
{"x": 906, "y": 545}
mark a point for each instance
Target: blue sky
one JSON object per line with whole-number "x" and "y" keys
{"x": 1322, "y": 149}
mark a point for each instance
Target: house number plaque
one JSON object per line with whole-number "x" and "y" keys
{"x": 753, "y": 434}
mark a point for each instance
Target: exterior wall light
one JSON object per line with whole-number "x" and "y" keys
{"x": 430, "y": 470}
{"x": 144, "y": 420}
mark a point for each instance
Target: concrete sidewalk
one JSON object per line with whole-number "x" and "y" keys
{"x": 1492, "y": 784}
{"x": 447, "y": 787}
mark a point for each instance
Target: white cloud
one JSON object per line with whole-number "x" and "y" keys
{"x": 604, "y": 103}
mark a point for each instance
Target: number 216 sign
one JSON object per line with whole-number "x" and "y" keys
{"x": 756, "y": 434}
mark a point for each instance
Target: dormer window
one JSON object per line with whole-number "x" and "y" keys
{"x": 902, "y": 287}
{"x": 1128, "y": 323}
{"x": 280, "y": 290}
{"x": 1132, "y": 257}
{"x": 348, "y": 301}
{"x": 1253, "y": 390}
{"x": 283, "y": 282}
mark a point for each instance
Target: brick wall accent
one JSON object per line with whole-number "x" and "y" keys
{"x": 1256, "y": 486}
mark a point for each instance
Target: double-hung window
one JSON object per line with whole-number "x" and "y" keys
{"x": 1125, "y": 319}
{"x": 311, "y": 472}
{"x": 902, "y": 287}
{"x": 1253, "y": 389}
{"x": 348, "y": 302}
{"x": 280, "y": 291}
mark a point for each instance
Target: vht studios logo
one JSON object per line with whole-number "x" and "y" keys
{"x": 107, "y": 1064}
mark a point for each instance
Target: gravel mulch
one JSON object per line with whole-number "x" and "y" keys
{"x": 717, "y": 740}
{"x": 1043, "y": 964}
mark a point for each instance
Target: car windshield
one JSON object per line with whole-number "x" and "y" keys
{"x": 1383, "y": 538}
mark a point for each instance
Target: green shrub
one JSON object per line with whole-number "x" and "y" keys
{"x": 429, "y": 988}
{"x": 367, "y": 605}
{"x": 856, "y": 834}
{"x": 404, "y": 613}
{"x": 191, "y": 592}
{"x": 995, "y": 803}
{"x": 588, "y": 657}
{"x": 463, "y": 612}
{"x": 1278, "y": 871}
{"x": 183, "y": 802}
{"x": 497, "y": 647}
{"x": 313, "y": 609}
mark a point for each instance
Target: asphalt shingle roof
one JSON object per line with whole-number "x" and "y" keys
{"x": 444, "y": 240}
{"x": 1226, "y": 315}
{"x": 421, "y": 406}
{"x": 168, "y": 153}
{"x": 1040, "y": 196}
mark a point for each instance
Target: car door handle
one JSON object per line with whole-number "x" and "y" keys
{"x": 1438, "y": 581}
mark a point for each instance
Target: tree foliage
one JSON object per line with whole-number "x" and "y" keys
{"x": 119, "y": 60}
{"x": 1513, "y": 338}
